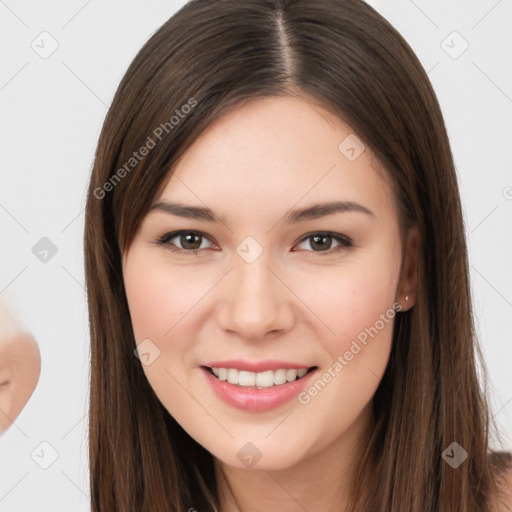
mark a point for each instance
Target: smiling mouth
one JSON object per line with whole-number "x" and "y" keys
{"x": 259, "y": 380}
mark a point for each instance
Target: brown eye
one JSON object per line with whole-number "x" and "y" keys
{"x": 190, "y": 241}
{"x": 183, "y": 242}
{"x": 323, "y": 242}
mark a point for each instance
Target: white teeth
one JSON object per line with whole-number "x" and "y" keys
{"x": 232, "y": 376}
{"x": 261, "y": 380}
{"x": 247, "y": 379}
{"x": 291, "y": 375}
{"x": 265, "y": 379}
{"x": 279, "y": 377}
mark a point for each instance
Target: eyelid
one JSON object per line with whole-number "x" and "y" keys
{"x": 165, "y": 239}
{"x": 340, "y": 237}
{"x": 344, "y": 242}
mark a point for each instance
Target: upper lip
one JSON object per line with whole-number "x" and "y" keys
{"x": 257, "y": 366}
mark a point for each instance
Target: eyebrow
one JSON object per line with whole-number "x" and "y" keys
{"x": 312, "y": 212}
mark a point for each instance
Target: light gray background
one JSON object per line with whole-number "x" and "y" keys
{"x": 52, "y": 112}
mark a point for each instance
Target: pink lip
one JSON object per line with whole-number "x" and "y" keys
{"x": 256, "y": 367}
{"x": 254, "y": 399}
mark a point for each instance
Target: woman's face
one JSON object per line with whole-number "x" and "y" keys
{"x": 266, "y": 289}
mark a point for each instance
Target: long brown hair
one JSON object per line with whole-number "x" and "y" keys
{"x": 209, "y": 58}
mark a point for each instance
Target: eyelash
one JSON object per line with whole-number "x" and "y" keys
{"x": 164, "y": 241}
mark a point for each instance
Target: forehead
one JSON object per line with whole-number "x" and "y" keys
{"x": 277, "y": 152}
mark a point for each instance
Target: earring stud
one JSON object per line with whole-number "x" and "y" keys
{"x": 407, "y": 297}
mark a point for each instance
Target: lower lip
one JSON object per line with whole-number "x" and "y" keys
{"x": 253, "y": 399}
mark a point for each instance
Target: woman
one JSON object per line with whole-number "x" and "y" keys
{"x": 277, "y": 275}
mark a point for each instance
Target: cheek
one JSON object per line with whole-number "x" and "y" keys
{"x": 358, "y": 304}
{"x": 157, "y": 299}
{"x": 162, "y": 303}
{"x": 357, "y": 298}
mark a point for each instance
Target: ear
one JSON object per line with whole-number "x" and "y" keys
{"x": 408, "y": 284}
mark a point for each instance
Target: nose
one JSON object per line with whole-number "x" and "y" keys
{"x": 257, "y": 301}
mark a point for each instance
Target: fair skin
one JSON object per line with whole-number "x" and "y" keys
{"x": 297, "y": 301}
{"x": 20, "y": 366}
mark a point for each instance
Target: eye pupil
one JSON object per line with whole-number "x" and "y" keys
{"x": 187, "y": 237}
{"x": 316, "y": 238}
{"x": 191, "y": 241}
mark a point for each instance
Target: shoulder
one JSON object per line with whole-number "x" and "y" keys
{"x": 503, "y": 502}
